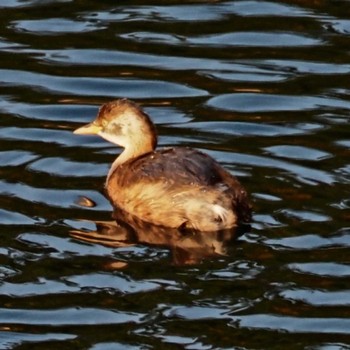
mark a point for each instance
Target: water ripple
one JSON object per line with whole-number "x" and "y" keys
{"x": 264, "y": 321}
{"x": 126, "y": 87}
{"x": 9, "y": 340}
{"x": 318, "y": 297}
{"x": 113, "y": 283}
{"x": 195, "y": 13}
{"x": 298, "y": 152}
{"x": 310, "y": 241}
{"x": 245, "y": 129}
{"x": 54, "y": 26}
{"x": 62, "y": 167}
{"x": 13, "y": 218}
{"x": 304, "y": 174}
{"x": 67, "y": 316}
{"x": 16, "y": 158}
{"x": 294, "y": 324}
{"x": 57, "y": 198}
{"x": 252, "y": 102}
{"x": 322, "y": 269}
{"x": 341, "y": 26}
{"x": 256, "y": 39}
{"x": 100, "y": 56}
{"x": 33, "y": 3}
{"x": 53, "y": 112}
{"x": 60, "y": 248}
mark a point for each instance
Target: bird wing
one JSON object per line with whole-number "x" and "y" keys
{"x": 181, "y": 165}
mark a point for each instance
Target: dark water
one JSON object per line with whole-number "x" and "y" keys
{"x": 263, "y": 86}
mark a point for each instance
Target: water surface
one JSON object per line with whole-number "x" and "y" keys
{"x": 262, "y": 86}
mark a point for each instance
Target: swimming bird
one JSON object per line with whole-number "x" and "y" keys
{"x": 177, "y": 187}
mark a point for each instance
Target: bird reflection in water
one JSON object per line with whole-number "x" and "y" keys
{"x": 187, "y": 247}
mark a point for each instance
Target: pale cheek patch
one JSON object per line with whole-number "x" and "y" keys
{"x": 116, "y": 139}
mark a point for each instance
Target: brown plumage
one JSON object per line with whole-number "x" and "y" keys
{"x": 176, "y": 187}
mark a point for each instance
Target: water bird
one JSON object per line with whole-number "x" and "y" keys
{"x": 178, "y": 187}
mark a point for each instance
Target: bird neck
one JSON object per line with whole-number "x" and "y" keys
{"x": 130, "y": 152}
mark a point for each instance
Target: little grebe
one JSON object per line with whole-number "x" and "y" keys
{"x": 174, "y": 187}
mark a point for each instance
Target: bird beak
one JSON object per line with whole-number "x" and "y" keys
{"x": 89, "y": 129}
